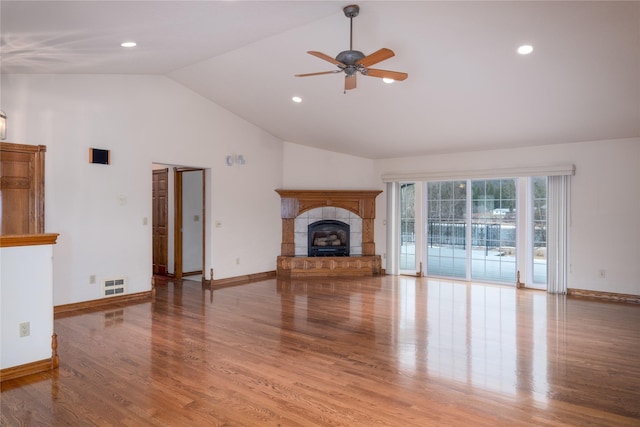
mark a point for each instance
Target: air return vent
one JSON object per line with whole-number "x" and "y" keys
{"x": 113, "y": 287}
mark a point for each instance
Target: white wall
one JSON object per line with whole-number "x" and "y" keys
{"x": 605, "y": 203}
{"x": 99, "y": 210}
{"x": 313, "y": 169}
{"x": 25, "y": 296}
{"x": 147, "y": 119}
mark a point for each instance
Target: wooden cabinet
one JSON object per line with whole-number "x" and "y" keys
{"x": 22, "y": 188}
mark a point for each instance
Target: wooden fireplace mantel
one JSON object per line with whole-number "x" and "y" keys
{"x": 360, "y": 202}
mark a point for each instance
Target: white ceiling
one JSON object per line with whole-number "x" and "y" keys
{"x": 467, "y": 88}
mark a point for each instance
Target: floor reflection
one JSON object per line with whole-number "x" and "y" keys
{"x": 485, "y": 336}
{"x": 489, "y": 338}
{"x": 347, "y": 306}
{"x": 389, "y": 350}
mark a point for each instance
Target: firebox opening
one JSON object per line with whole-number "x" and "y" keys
{"x": 328, "y": 238}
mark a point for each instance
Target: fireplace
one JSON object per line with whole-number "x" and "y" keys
{"x": 328, "y": 238}
{"x": 358, "y": 260}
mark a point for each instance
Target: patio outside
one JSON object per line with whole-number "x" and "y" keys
{"x": 490, "y": 265}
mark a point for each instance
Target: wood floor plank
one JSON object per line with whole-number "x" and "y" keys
{"x": 387, "y": 351}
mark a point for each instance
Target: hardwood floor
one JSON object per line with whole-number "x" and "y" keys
{"x": 392, "y": 351}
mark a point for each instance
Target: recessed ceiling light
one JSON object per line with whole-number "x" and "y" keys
{"x": 387, "y": 80}
{"x": 296, "y": 99}
{"x": 128, "y": 44}
{"x": 525, "y": 49}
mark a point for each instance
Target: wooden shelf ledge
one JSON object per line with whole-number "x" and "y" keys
{"x": 28, "y": 240}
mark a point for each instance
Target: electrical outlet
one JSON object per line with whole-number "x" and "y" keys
{"x": 92, "y": 279}
{"x": 237, "y": 260}
{"x": 603, "y": 273}
{"x": 25, "y": 329}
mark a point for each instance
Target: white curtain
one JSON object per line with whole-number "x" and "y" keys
{"x": 557, "y": 233}
{"x": 393, "y": 227}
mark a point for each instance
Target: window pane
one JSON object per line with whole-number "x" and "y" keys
{"x": 446, "y": 190}
{"x": 460, "y": 190}
{"x": 433, "y": 191}
{"x": 508, "y": 189}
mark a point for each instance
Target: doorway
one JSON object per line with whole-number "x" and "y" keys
{"x": 178, "y": 221}
{"x": 189, "y": 222}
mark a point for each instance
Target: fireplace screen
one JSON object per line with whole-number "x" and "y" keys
{"x": 329, "y": 238}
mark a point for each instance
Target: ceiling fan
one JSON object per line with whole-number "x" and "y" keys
{"x": 352, "y": 61}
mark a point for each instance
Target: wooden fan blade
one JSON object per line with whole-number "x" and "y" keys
{"x": 395, "y": 75}
{"x": 325, "y": 57}
{"x": 319, "y": 73}
{"x": 349, "y": 82}
{"x": 375, "y": 57}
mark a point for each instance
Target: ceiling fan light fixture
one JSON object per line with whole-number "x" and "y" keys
{"x": 296, "y": 99}
{"x": 525, "y": 49}
{"x": 387, "y": 80}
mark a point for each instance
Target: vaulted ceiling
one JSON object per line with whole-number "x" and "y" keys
{"x": 467, "y": 89}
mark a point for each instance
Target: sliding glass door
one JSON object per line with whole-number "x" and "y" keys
{"x": 493, "y": 230}
{"x": 446, "y": 229}
{"x": 471, "y": 229}
{"x": 408, "y": 259}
